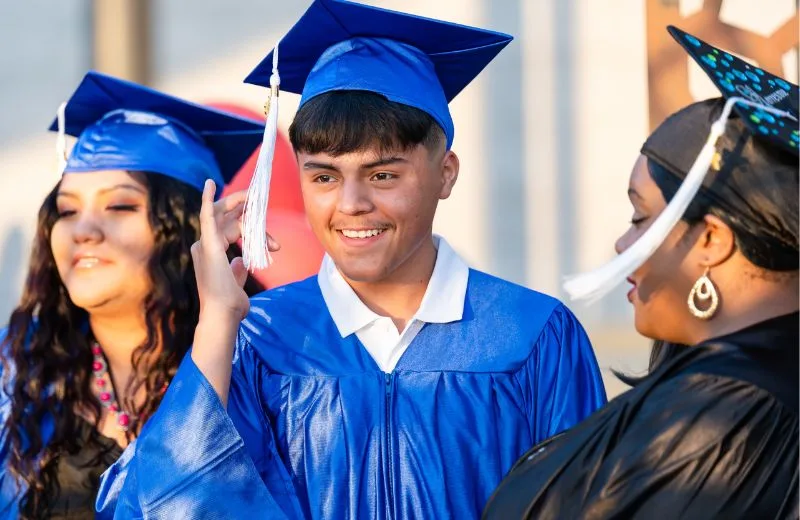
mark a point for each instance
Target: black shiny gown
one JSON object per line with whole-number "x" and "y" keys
{"x": 712, "y": 434}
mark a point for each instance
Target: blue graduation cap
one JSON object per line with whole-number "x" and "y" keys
{"x": 415, "y": 61}
{"x": 341, "y": 45}
{"x": 124, "y": 126}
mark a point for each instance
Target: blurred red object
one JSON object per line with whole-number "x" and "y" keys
{"x": 284, "y": 190}
{"x": 301, "y": 253}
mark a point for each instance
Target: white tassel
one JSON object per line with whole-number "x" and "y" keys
{"x": 255, "y": 253}
{"x": 595, "y": 284}
{"x": 61, "y": 139}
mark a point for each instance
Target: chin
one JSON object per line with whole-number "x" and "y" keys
{"x": 90, "y": 301}
{"x": 643, "y": 325}
{"x": 362, "y": 273}
{"x": 108, "y": 300}
{"x": 658, "y": 330}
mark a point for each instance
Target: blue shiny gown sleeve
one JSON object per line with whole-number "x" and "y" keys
{"x": 10, "y": 491}
{"x": 190, "y": 461}
{"x": 563, "y": 377}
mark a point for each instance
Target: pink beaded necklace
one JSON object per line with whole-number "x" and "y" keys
{"x": 102, "y": 380}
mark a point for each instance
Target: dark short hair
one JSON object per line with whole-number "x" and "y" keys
{"x": 347, "y": 121}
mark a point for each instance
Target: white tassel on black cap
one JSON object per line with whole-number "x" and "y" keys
{"x": 255, "y": 253}
{"x": 595, "y": 284}
{"x": 61, "y": 139}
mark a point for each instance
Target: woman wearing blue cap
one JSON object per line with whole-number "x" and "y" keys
{"x": 398, "y": 382}
{"x": 110, "y": 303}
{"x": 712, "y": 256}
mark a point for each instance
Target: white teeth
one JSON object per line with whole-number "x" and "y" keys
{"x": 87, "y": 262}
{"x": 351, "y": 233}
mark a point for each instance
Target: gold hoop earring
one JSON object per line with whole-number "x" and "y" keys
{"x": 702, "y": 291}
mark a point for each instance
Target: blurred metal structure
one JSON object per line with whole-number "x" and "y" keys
{"x": 121, "y": 42}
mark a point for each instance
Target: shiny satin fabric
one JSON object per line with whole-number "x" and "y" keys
{"x": 10, "y": 491}
{"x": 144, "y": 141}
{"x": 314, "y": 429}
{"x": 408, "y": 59}
{"x": 714, "y": 434}
{"x": 125, "y": 126}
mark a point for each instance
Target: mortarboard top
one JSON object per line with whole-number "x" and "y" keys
{"x": 416, "y": 61}
{"x": 125, "y": 126}
{"x": 677, "y": 141}
{"x": 735, "y": 77}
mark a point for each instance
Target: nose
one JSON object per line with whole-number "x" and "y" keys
{"x": 355, "y": 198}
{"x": 87, "y": 229}
{"x": 623, "y": 242}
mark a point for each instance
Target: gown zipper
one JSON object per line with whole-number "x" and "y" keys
{"x": 388, "y": 432}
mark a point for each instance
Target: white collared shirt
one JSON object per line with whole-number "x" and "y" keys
{"x": 443, "y": 302}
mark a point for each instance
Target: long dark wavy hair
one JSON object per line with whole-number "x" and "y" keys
{"x": 47, "y": 362}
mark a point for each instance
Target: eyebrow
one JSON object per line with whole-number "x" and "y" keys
{"x": 311, "y": 165}
{"x": 319, "y": 166}
{"x": 383, "y": 162}
{"x": 633, "y": 193}
{"x": 129, "y": 187}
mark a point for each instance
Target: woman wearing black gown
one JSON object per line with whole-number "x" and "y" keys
{"x": 712, "y": 431}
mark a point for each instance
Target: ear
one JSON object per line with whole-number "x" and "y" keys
{"x": 716, "y": 242}
{"x": 449, "y": 169}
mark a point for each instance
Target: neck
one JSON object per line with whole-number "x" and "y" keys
{"x": 761, "y": 303}
{"x": 399, "y": 295}
{"x": 119, "y": 335}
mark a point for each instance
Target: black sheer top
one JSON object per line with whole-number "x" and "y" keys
{"x": 79, "y": 475}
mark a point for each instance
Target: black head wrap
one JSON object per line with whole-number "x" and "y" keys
{"x": 752, "y": 184}
{"x": 753, "y": 181}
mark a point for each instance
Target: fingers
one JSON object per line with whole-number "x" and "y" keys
{"x": 195, "y": 250}
{"x": 231, "y": 203}
{"x": 223, "y": 218}
{"x": 208, "y": 225}
{"x": 272, "y": 244}
{"x": 228, "y": 212}
{"x": 232, "y": 230}
{"x": 239, "y": 271}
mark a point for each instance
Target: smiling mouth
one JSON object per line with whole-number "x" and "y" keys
{"x": 87, "y": 262}
{"x": 362, "y": 233}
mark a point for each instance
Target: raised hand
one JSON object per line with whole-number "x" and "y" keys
{"x": 223, "y": 302}
{"x": 219, "y": 282}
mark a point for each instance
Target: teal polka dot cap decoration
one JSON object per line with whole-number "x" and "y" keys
{"x": 735, "y": 77}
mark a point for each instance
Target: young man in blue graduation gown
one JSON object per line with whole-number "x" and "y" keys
{"x": 398, "y": 383}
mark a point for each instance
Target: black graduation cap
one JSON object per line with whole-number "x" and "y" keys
{"x": 735, "y": 77}
{"x": 741, "y": 157}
